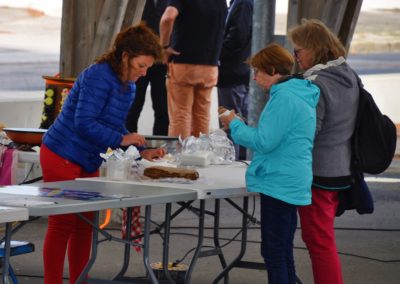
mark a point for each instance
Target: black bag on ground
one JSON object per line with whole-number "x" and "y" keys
{"x": 373, "y": 148}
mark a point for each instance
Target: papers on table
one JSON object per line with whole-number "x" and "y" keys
{"x": 26, "y": 191}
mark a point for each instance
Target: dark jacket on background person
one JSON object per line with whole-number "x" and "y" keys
{"x": 100, "y": 119}
{"x": 236, "y": 46}
{"x": 155, "y": 76}
{"x": 152, "y": 14}
{"x": 198, "y": 35}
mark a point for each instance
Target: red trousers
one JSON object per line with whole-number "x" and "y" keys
{"x": 317, "y": 227}
{"x": 64, "y": 230}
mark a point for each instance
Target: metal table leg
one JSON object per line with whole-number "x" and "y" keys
{"x": 93, "y": 255}
{"x": 243, "y": 241}
{"x": 165, "y": 261}
{"x": 199, "y": 242}
{"x": 146, "y": 246}
{"x": 127, "y": 246}
{"x": 7, "y": 244}
{"x": 216, "y": 237}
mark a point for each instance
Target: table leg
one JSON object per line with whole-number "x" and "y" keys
{"x": 93, "y": 254}
{"x": 7, "y": 248}
{"x": 199, "y": 242}
{"x": 127, "y": 246}
{"x": 146, "y": 246}
{"x": 216, "y": 237}
{"x": 243, "y": 241}
{"x": 165, "y": 261}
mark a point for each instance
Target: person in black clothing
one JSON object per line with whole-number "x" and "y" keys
{"x": 234, "y": 72}
{"x": 191, "y": 33}
{"x": 152, "y": 13}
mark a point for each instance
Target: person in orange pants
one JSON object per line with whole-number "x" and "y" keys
{"x": 191, "y": 36}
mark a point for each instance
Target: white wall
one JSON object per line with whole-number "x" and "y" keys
{"x": 21, "y": 109}
{"x": 385, "y": 88}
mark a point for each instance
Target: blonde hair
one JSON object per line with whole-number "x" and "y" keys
{"x": 273, "y": 59}
{"x": 314, "y": 35}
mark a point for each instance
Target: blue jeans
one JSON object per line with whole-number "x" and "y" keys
{"x": 278, "y": 225}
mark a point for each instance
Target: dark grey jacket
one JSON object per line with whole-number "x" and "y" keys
{"x": 336, "y": 115}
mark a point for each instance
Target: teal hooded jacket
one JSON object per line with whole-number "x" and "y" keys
{"x": 282, "y": 142}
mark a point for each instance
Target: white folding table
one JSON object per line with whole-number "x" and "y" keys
{"x": 83, "y": 196}
{"x": 216, "y": 182}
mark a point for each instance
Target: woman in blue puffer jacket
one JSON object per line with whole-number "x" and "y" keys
{"x": 92, "y": 119}
{"x": 281, "y": 166}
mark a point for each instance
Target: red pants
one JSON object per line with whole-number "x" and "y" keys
{"x": 317, "y": 227}
{"x": 189, "y": 89}
{"x": 64, "y": 230}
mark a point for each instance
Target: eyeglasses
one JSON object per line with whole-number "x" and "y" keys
{"x": 297, "y": 51}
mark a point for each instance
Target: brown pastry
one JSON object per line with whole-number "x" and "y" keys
{"x": 164, "y": 172}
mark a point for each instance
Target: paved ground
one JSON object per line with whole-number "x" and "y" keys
{"x": 369, "y": 245}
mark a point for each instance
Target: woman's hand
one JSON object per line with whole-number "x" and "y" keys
{"x": 133, "y": 139}
{"x": 151, "y": 154}
{"x": 227, "y": 118}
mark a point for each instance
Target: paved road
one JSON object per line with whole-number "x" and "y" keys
{"x": 25, "y": 73}
{"x": 375, "y": 63}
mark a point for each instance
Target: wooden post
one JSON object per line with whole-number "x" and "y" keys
{"x": 349, "y": 23}
{"x": 340, "y": 16}
{"x": 78, "y": 28}
{"x": 109, "y": 25}
{"x": 332, "y": 14}
{"x": 89, "y": 27}
{"x": 133, "y": 13}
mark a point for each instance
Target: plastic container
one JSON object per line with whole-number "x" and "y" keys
{"x": 118, "y": 169}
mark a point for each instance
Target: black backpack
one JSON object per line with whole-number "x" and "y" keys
{"x": 373, "y": 149}
{"x": 374, "y": 138}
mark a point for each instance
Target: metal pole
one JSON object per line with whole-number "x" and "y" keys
{"x": 263, "y": 33}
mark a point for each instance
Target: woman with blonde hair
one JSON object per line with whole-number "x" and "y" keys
{"x": 320, "y": 54}
{"x": 281, "y": 166}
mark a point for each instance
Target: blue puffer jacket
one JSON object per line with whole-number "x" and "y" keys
{"x": 282, "y": 143}
{"x": 92, "y": 118}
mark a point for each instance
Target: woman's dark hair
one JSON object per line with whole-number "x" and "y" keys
{"x": 316, "y": 36}
{"x": 135, "y": 40}
{"x": 273, "y": 59}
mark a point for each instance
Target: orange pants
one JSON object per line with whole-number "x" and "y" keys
{"x": 189, "y": 89}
